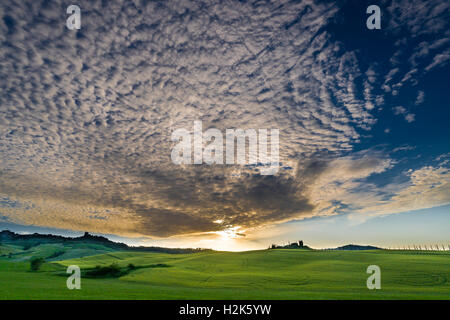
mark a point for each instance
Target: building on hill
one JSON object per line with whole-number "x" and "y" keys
{"x": 290, "y": 245}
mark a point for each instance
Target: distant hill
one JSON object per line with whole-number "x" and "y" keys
{"x": 356, "y": 247}
{"x": 28, "y": 241}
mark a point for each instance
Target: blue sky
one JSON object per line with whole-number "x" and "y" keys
{"x": 421, "y": 227}
{"x": 86, "y": 118}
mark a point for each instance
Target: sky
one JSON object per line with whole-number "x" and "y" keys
{"x": 86, "y": 118}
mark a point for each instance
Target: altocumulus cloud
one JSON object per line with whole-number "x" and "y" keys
{"x": 86, "y": 116}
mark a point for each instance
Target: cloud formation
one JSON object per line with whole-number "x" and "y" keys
{"x": 86, "y": 116}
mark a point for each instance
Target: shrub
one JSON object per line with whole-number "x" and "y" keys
{"x": 112, "y": 270}
{"x": 36, "y": 263}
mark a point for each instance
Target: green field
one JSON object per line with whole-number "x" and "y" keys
{"x": 266, "y": 274}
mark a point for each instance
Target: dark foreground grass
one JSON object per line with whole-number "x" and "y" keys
{"x": 268, "y": 274}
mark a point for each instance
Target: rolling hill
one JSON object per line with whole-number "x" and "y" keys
{"x": 206, "y": 274}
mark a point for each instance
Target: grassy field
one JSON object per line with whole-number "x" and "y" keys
{"x": 268, "y": 274}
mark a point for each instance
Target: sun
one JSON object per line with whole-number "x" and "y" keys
{"x": 230, "y": 233}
